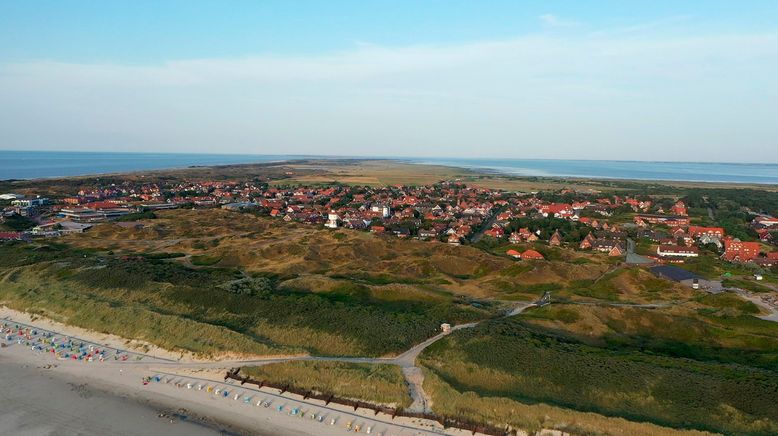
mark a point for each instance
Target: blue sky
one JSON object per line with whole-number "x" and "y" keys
{"x": 556, "y": 79}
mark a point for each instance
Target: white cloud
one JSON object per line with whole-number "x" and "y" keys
{"x": 552, "y": 20}
{"x": 545, "y": 95}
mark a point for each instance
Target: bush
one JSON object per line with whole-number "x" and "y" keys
{"x": 253, "y": 287}
{"x": 205, "y": 260}
{"x": 145, "y": 215}
{"x": 18, "y": 223}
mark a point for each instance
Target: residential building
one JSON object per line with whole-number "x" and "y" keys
{"x": 736, "y": 250}
{"x": 532, "y": 255}
{"x": 677, "y": 251}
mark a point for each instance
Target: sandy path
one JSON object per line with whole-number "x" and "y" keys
{"x": 756, "y": 299}
{"x": 414, "y": 377}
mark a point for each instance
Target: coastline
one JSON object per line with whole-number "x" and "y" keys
{"x": 50, "y": 398}
{"x": 108, "y": 397}
{"x": 547, "y": 169}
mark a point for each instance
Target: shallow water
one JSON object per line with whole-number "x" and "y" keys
{"x": 39, "y": 164}
{"x": 607, "y": 169}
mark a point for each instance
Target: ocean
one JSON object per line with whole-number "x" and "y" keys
{"x": 617, "y": 169}
{"x": 47, "y": 164}
{"x": 40, "y": 164}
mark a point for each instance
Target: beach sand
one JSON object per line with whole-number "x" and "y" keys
{"x": 37, "y": 401}
{"x": 47, "y": 396}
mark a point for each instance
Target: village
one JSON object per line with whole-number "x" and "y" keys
{"x": 640, "y": 228}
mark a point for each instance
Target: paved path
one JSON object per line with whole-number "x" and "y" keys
{"x": 413, "y": 375}
{"x": 486, "y": 226}
{"x": 634, "y": 258}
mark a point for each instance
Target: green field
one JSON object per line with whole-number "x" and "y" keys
{"x": 517, "y": 360}
{"x": 217, "y": 283}
{"x": 216, "y": 310}
{"x": 380, "y": 384}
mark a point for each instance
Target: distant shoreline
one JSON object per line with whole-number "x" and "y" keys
{"x": 32, "y": 165}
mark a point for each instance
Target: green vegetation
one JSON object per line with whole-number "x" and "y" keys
{"x": 145, "y": 215}
{"x": 17, "y": 223}
{"x": 381, "y": 384}
{"x": 532, "y": 417}
{"x": 350, "y": 319}
{"x": 163, "y": 255}
{"x": 260, "y": 286}
{"x": 623, "y": 284}
{"x": 377, "y": 279}
{"x": 212, "y": 282}
{"x": 748, "y": 285}
{"x": 720, "y": 328}
{"x": 205, "y": 260}
{"x": 556, "y": 312}
{"x": 727, "y": 206}
{"x": 705, "y": 265}
{"x": 509, "y": 358}
{"x": 727, "y": 301}
{"x": 571, "y": 231}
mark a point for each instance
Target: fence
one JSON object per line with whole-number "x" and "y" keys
{"x": 445, "y": 421}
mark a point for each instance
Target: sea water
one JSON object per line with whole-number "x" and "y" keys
{"x": 41, "y": 164}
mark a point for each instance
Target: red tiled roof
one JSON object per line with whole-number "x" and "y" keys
{"x": 532, "y": 254}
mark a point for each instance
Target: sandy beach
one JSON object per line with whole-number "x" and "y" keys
{"x": 48, "y": 394}
{"x": 39, "y": 401}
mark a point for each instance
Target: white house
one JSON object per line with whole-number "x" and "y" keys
{"x": 677, "y": 251}
{"x": 382, "y": 209}
{"x": 332, "y": 220}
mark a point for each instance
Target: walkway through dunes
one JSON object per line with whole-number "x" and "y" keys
{"x": 414, "y": 377}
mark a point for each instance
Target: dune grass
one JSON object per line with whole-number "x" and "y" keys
{"x": 748, "y": 285}
{"x": 349, "y": 319}
{"x": 506, "y": 412}
{"x": 126, "y": 315}
{"x": 381, "y": 384}
{"x": 511, "y": 359}
{"x": 716, "y": 328}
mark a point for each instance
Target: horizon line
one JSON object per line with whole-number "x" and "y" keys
{"x": 379, "y": 157}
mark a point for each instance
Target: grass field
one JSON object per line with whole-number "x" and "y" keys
{"x": 591, "y": 281}
{"x": 711, "y": 328}
{"x": 748, "y": 285}
{"x": 520, "y": 361}
{"x": 214, "y": 282}
{"x": 503, "y": 411}
{"x": 203, "y": 310}
{"x": 381, "y": 384}
{"x": 219, "y": 238}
